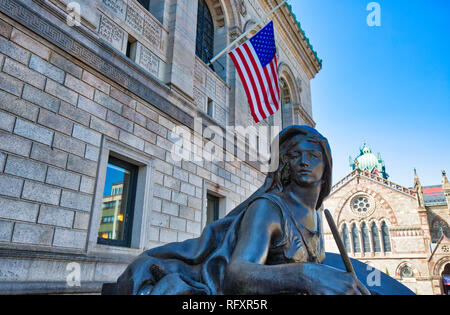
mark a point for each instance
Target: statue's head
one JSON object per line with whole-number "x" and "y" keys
{"x": 304, "y": 158}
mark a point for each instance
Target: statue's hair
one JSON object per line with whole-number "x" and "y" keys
{"x": 287, "y": 139}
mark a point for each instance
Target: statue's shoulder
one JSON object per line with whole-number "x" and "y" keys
{"x": 266, "y": 206}
{"x": 267, "y": 198}
{"x": 273, "y": 199}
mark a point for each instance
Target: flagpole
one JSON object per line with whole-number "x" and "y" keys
{"x": 245, "y": 34}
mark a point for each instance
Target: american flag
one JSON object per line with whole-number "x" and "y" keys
{"x": 256, "y": 63}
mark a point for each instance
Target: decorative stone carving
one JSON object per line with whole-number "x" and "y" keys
{"x": 208, "y": 86}
{"x": 200, "y": 99}
{"x": 135, "y": 17}
{"x": 200, "y": 75}
{"x": 221, "y": 92}
{"x": 300, "y": 85}
{"x": 118, "y": 7}
{"x": 242, "y": 7}
{"x": 362, "y": 205}
{"x": 153, "y": 33}
{"x": 111, "y": 32}
{"x": 211, "y": 85}
{"x": 146, "y": 59}
{"x": 234, "y": 33}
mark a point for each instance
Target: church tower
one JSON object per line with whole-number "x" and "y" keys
{"x": 368, "y": 162}
{"x": 419, "y": 190}
{"x": 446, "y": 187}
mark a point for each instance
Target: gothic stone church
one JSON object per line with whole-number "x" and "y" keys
{"x": 400, "y": 231}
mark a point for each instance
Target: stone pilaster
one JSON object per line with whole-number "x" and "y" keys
{"x": 182, "y": 29}
{"x": 446, "y": 187}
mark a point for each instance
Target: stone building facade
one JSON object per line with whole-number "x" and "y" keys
{"x": 94, "y": 89}
{"x": 400, "y": 231}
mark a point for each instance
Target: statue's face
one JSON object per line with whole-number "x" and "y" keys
{"x": 306, "y": 161}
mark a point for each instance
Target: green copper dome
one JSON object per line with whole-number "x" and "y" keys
{"x": 367, "y": 161}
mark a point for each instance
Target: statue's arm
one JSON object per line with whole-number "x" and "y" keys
{"x": 247, "y": 273}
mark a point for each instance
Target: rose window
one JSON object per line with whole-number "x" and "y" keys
{"x": 361, "y": 204}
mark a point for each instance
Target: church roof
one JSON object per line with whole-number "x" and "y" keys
{"x": 434, "y": 195}
{"x": 367, "y": 161}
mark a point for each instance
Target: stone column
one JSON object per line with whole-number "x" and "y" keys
{"x": 182, "y": 23}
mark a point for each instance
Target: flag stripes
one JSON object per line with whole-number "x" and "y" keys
{"x": 260, "y": 83}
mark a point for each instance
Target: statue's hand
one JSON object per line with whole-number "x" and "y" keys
{"x": 330, "y": 281}
{"x": 135, "y": 276}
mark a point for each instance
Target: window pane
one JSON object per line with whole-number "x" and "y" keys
{"x": 386, "y": 240}
{"x": 116, "y": 202}
{"x": 346, "y": 239}
{"x": 376, "y": 239}
{"x": 212, "y": 209}
{"x": 355, "y": 238}
{"x": 205, "y": 33}
{"x": 210, "y": 108}
{"x": 366, "y": 240}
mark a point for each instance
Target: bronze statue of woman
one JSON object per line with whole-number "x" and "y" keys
{"x": 280, "y": 246}
{"x": 270, "y": 244}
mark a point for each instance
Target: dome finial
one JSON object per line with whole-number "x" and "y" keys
{"x": 445, "y": 183}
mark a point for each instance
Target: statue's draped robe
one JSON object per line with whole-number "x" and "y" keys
{"x": 196, "y": 266}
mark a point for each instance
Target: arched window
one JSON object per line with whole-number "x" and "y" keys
{"x": 285, "y": 92}
{"x": 406, "y": 272}
{"x": 386, "y": 238}
{"x": 376, "y": 239}
{"x": 286, "y": 104}
{"x": 205, "y": 33}
{"x": 346, "y": 238}
{"x": 355, "y": 239}
{"x": 365, "y": 238}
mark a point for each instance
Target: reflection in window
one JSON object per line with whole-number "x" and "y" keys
{"x": 118, "y": 203}
{"x": 204, "y": 48}
{"x": 285, "y": 92}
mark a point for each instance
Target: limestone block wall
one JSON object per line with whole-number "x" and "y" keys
{"x": 57, "y": 115}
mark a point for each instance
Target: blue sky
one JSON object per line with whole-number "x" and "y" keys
{"x": 387, "y": 85}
